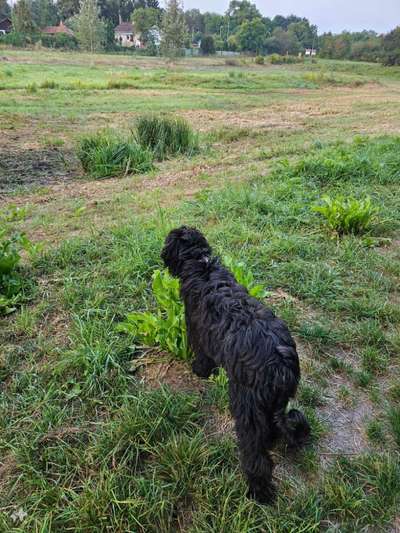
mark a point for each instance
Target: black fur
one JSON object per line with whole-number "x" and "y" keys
{"x": 228, "y": 328}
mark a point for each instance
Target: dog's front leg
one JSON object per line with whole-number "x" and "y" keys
{"x": 202, "y": 365}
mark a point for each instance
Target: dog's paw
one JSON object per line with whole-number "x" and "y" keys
{"x": 200, "y": 370}
{"x": 265, "y": 495}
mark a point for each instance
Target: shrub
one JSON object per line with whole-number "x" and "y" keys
{"x": 207, "y": 45}
{"x": 259, "y": 60}
{"x": 166, "y": 327}
{"x": 106, "y": 154}
{"x": 32, "y": 88}
{"x": 166, "y": 136}
{"x": 59, "y": 40}
{"x": 120, "y": 84}
{"x": 276, "y": 59}
{"x": 347, "y": 215}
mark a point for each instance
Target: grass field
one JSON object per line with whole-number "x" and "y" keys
{"x": 100, "y": 434}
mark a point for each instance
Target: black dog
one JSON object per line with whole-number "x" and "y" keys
{"x": 228, "y": 328}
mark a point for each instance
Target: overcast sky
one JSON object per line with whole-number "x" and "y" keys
{"x": 328, "y": 15}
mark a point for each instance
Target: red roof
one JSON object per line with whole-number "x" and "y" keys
{"x": 61, "y": 28}
{"x": 124, "y": 27}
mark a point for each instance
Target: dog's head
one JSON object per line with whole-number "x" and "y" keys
{"x": 181, "y": 245}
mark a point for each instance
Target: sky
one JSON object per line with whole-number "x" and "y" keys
{"x": 328, "y": 15}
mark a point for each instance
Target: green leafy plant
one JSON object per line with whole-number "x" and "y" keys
{"x": 245, "y": 277}
{"x": 10, "y": 280}
{"x": 106, "y": 154}
{"x": 347, "y": 215}
{"x": 166, "y": 327}
{"x": 259, "y": 60}
{"x": 166, "y": 136}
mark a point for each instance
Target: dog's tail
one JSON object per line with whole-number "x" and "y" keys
{"x": 293, "y": 426}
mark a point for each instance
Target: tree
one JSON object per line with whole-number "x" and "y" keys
{"x": 282, "y": 42}
{"x": 67, "y": 8}
{"x": 90, "y": 30}
{"x": 391, "y": 47}
{"x": 240, "y": 11}
{"x": 22, "y": 18}
{"x": 174, "y": 29}
{"x": 44, "y": 13}
{"x": 5, "y": 9}
{"x": 145, "y": 18}
{"x": 213, "y": 23}
{"x": 304, "y": 33}
{"x": 251, "y": 36}
{"x": 207, "y": 45}
{"x": 194, "y": 21}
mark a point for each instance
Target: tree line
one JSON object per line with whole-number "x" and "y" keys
{"x": 242, "y": 28}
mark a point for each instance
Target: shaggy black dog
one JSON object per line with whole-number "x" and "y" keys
{"x": 228, "y": 328}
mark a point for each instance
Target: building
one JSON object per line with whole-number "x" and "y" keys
{"x": 61, "y": 28}
{"x": 310, "y": 52}
{"x": 124, "y": 35}
{"x": 5, "y": 26}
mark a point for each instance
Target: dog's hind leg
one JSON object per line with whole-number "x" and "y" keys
{"x": 255, "y": 438}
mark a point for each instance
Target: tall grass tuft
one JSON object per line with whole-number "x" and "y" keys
{"x": 107, "y": 153}
{"x": 166, "y": 136}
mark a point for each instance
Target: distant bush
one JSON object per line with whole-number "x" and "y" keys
{"x": 207, "y": 45}
{"x": 120, "y": 84}
{"x": 259, "y": 60}
{"x": 48, "y": 84}
{"x": 106, "y": 154}
{"x": 166, "y": 136}
{"x": 60, "y": 41}
{"x": 347, "y": 215}
{"x": 17, "y": 39}
{"x": 32, "y": 88}
{"x": 276, "y": 59}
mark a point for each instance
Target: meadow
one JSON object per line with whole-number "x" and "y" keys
{"x": 101, "y": 433}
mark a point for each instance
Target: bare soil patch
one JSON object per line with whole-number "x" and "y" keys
{"x": 160, "y": 369}
{"x": 35, "y": 167}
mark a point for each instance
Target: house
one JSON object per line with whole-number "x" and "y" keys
{"x": 124, "y": 35}
{"x": 5, "y": 26}
{"x": 61, "y": 28}
{"x": 310, "y": 52}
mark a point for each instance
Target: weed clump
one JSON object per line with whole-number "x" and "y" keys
{"x": 106, "y": 154}
{"x": 48, "y": 84}
{"x": 166, "y": 136}
{"x": 11, "y": 282}
{"x": 347, "y": 215}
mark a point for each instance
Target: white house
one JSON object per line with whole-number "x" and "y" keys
{"x": 310, "y": 52}
{"x": 124, "y": 34}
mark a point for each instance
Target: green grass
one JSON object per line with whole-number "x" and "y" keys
{"x": 108, "y": 153}
{"x": 166, "y": 136}
{"x": 85, "y": 443}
